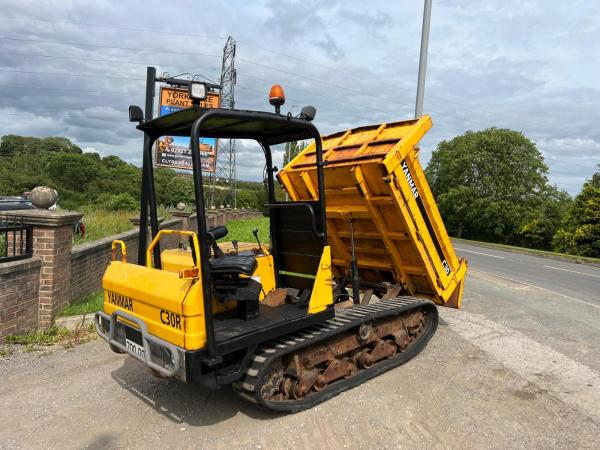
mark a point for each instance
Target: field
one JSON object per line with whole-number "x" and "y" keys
{"x": 241, "y": 230}
{"x": 100, "y": 223}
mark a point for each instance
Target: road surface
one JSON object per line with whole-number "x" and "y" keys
{"x": 517, "y": 367}
{"x": 567, "y": 278}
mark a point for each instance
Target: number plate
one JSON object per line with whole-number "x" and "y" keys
{"x": 134, "y": 348}
{"x": 131, "y": 336}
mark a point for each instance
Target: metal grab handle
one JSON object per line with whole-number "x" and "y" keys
{"x": 147, "y": 338}
{"x": 156, "y": 239}
{"x": 115, "y": 243}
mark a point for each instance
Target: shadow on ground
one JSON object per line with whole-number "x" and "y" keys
{"x": 183, "y": 403}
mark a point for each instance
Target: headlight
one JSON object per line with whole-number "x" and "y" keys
{"x": 197, "y": 91}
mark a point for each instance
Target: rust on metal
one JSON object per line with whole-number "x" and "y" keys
{"x": 343, "y": 356}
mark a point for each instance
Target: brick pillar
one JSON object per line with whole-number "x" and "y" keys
{"x": 185, "y": 219}
{"x": 52, "y": 242}
{"x": 211, "y": 220}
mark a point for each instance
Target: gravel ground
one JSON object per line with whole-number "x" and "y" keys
{"x": 494, "y": 376}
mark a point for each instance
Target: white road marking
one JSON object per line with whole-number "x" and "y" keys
{"x": 568, "y": 297}
{"x": 479, "y": 253}
{"x": 563, "y": 378}
{"x": 574, "y": 271}
{"x": 500, "y": 276}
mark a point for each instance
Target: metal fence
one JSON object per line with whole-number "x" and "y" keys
{"x": 16, "y": 239}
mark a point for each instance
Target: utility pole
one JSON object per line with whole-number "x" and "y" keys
{"x": 225, "y": 168}
{"x": 423, "y": 58}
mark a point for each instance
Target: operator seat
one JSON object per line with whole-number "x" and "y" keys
{"x": 222, "y": 264}
{"x": 233, "y": 264}
{"x": 231, "y": 277}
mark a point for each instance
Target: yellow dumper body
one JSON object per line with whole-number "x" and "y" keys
{"x": 374, "y": 182}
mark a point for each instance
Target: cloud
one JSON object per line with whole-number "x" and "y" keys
{"x": 513, "y": 64}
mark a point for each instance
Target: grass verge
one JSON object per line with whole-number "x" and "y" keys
{"x": 100, "y": 223}
{"x": 534, "y": 252}
{"x": 86, "y": 305}
{"x": 241, "y": 230}
{"x": 38, "y": 340}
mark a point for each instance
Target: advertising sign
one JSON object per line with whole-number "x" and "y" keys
{"x": 174, "y": 151}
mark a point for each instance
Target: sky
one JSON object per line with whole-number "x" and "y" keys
{"x": 71, "y": 68}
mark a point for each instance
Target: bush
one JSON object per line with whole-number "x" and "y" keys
{"x": 118, "y": 202}
{"x": 580, "y": 230}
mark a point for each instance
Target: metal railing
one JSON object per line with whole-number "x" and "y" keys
{"x": 16, "y": 239}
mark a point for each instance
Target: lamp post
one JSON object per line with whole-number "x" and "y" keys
{"x": 423, "y": 58}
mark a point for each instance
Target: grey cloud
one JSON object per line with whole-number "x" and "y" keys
{"x": 330, "y": 46}
{"x": 497, "y": 63}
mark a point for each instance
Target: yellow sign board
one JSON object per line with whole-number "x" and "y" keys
{"x": 174, "y": 151}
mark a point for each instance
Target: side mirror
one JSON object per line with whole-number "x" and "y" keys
{"x": 135, "y": 113}
{"x": 308, "y": 113}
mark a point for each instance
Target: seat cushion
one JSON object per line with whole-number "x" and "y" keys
{"x": 233, "y": 264}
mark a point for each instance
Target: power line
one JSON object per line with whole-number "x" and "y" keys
{"x": 112, "y": 61}
{"x": 337, "y": 100}
{"x": 81, "y": 44}
{"x": 64, "y": 74}
{"x": 57, "y": 106}
{"x": 153, "y": 30}
{"x": 284, "y": 54}
{"x": 248, "y": 61}
{"x": 312, "y": 63}
{"x": 296, "y": 100}
{"x": 68, "y": 90}
{"x": 368, "y": 94}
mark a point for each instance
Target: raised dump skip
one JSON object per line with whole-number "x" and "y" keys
{"x": 374, "y": 180}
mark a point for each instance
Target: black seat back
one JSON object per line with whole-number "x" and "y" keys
{"x": 298, "y": 243}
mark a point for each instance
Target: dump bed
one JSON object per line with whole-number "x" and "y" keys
{"x": 373, "y": 179}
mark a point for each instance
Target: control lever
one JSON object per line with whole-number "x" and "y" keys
{"x": 354, "y": 267}
{"x": 235, "y": 246}
{"x": 255, "y": 233}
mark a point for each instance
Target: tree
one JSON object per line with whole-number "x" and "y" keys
{"x": 580, "y": 230}
{"x": 538, "y": 230}
{"x": 291, "y": 150}
{"x": 181, "y": 189}
{"x": 162, "y": 178}
{"x": 491, "y": 183}
{"x": 12, "y": 144}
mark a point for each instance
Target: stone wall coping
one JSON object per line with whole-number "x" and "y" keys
{"x": 177, "y": 213}
{"x": 23, "y": 264}
{"x": 136, "y": 220}
{"x": 45, "y": 217}
{"x": 87, "y": 247}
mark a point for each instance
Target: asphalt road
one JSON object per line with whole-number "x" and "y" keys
{"x": 578, "y": 281}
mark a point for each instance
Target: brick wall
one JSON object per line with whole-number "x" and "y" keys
{"x": 19, "y": 293}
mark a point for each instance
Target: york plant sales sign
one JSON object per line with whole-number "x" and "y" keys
{"x": 174, "y": 151}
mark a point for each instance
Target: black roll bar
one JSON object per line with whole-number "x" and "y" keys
{"x": 211, "y": 344}
{"x": 148, "y": 197}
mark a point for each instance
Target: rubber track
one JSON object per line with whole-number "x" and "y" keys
{"x": 249, "y": 387}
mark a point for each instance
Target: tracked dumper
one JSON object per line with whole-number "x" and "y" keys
{"x": 346, "y": 288}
